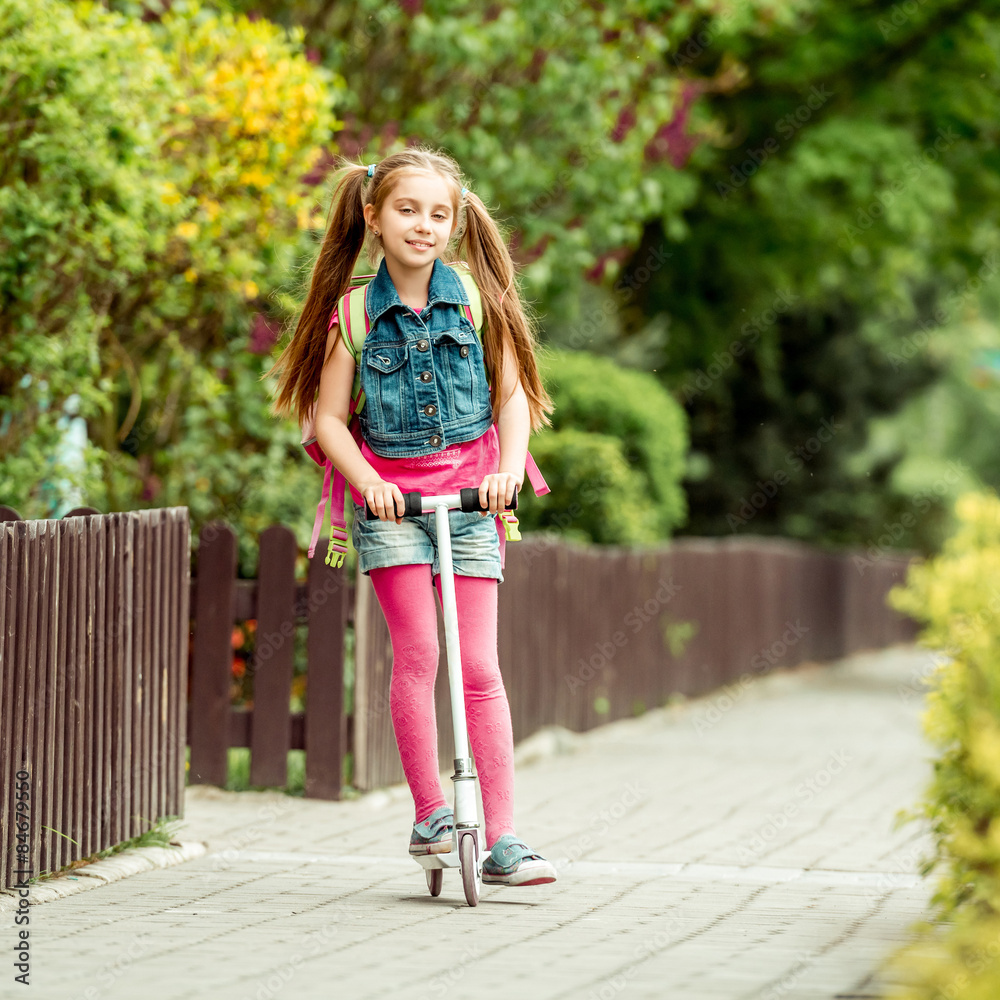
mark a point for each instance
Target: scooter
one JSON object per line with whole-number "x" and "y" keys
{"x": 467, "y": 847}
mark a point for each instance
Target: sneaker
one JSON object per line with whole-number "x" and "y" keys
{"x": 512, "y": 862}
{"x": 433, "y": 835}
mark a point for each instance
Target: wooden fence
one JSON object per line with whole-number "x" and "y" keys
{"x": 93, "y": 651}
{"x": 100, "y": 614}
{"x": 278, "y": 604}
{"x": 591, "y": 634}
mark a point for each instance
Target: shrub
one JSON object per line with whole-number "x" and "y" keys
{"x": 957, "y": 596}
{"x": 152, "y": 202}
{"x": 614, "y": 455}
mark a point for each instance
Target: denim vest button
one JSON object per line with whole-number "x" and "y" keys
{"x": 422, "y": 345}
{"x": 464, "y": 350}
{"x": 430, "y": 409}
{"x": 435, "y": 441}
{"x": 426, "y": 376}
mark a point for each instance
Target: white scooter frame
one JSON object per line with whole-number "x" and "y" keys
{"x": 468, "y": 841}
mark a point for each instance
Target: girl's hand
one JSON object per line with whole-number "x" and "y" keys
{"x": 497, "y": 490}
{"x": 386, "y": 499}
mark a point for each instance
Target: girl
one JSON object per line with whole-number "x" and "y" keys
{"x": 431, "y": 424}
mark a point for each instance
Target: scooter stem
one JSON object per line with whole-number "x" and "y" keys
{"x": 464, "y": 776}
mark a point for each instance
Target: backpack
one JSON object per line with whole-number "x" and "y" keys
{"x": 353, "y": 317}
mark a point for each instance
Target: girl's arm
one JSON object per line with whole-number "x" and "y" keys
{"x": 332, "y": 414}
{"x": 514, "y": 427}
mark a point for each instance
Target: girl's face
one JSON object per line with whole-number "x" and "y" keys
{"x": 417, "y": 219}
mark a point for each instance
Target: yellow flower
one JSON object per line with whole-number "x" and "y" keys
{"x": 210, "y": 208}
{"x": 250, "y": 289}
{"x": 255, "y": 177}
{"x": 187, "y": 230}
{"x": 170, "y": 194}
{"x": 191, "y": 275}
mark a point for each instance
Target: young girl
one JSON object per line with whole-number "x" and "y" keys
{"x": 430, "y": 424}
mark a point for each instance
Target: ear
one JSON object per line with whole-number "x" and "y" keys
{"x": 370, "y": 217}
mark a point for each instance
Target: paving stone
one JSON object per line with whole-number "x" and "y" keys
{"x": 712, "y": 850}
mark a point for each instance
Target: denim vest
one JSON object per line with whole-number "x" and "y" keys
{"x": 422, "y": 373}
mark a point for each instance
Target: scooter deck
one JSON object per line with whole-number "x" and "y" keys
{"x": 448, "y": 859}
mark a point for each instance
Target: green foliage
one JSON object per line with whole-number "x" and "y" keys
{"x": 846, "y": 200}
{"x": 614, "y": 455}
{"x": 956, "y": 596}
{"x": 76, "y": 214}
{"x": 771, "y": 202}
{"x": 142, "y": 227}
{"x": 549, "y": 107}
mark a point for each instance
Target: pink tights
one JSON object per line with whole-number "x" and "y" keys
{"x": 408, "y": 605}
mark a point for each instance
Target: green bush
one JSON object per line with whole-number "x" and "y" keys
{"x": 957, "y": 597}
{"x": 614, "y": 455}
{"x": 154, "y": 209}
{"x": 78, "y": 217}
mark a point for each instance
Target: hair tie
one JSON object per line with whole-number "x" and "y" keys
{"x": 464, "y": 191}
{"x": 371, "y": 169}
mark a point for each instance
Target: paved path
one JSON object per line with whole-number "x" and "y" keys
{"x": 739, "y": 845}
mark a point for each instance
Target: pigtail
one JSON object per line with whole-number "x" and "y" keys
{"x": 301, "y": 362}
{"x": 493, "y": 269}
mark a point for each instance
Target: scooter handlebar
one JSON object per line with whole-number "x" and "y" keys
{"x": 470, "y": 501}
{"x": 413, "y": 503}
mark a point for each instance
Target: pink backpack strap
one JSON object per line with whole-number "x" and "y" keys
{"x": 535, "y": 477}
{"x": 320, "y": 508}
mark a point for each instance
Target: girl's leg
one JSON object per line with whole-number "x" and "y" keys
{"x": 487, "y": 711}
{"x": 407, "y": 602}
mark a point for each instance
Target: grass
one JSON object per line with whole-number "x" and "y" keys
{"x": 160, "y": 834}
{"x": 238, "y": 773}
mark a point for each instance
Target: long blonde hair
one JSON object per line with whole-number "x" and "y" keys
{"x": 485, "y": 251}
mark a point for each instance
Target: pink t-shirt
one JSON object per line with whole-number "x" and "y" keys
{"x": 446, "y": 471}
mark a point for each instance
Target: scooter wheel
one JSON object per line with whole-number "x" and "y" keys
{"x": 435, "y": 878}
{"x": 468, "y": 857}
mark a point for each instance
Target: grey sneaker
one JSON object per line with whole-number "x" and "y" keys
{"x": 433, "y": 835}
{"x": 512, "y": 862}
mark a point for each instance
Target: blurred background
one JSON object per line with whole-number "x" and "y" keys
{"x": 761, "y": 239}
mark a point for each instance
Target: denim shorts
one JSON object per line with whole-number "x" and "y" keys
{"x": 475, "y": 544}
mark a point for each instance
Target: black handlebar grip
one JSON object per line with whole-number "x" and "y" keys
{"x": 470, "y": 501}
{"x": 411, "y": 505}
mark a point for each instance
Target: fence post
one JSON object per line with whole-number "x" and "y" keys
{"x": 329, "y": 596}
{"x": 215, "y": 615}
{"x": 270, "y": 734}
